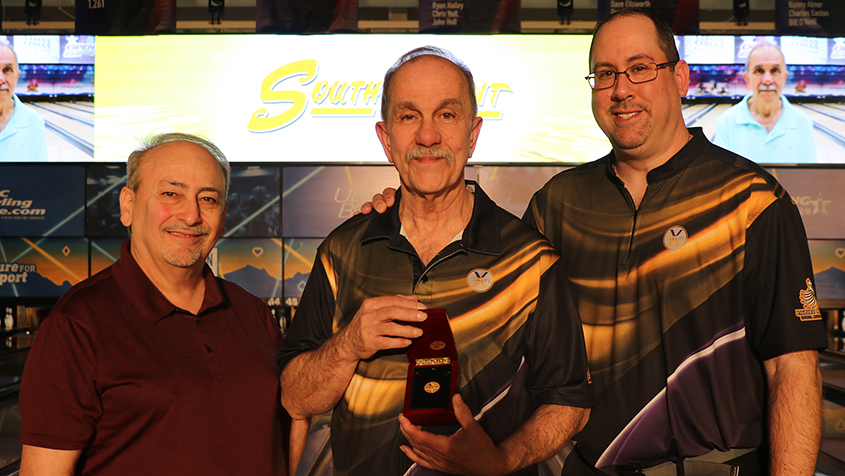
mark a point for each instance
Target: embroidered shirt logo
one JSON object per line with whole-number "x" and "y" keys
{"x": 675, "y": 237}
{"x": 811, "y": 305}
{"x": 480, "y": 280}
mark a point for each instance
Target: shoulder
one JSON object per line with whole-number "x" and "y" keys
{"x": 238, "y": 294}
{"x": 730, "y": 113}
{"x": 731, "y": 168}
{"x": 29, "y": 115}
{"x": 800, "y": 116}
{"x": 581, "y": 175}
{"x": 84, "y": 302}
{"x": 351, "y": 232}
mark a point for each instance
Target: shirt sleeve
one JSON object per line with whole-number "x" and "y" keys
{"x": 783, "y": 314}
{"x": 59, "y": 401}
{"x": 311, "y": 325}
{"x": 722, "y": 137}
{"x": 556, "y": 354}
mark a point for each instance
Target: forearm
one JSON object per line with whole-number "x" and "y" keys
{"x": 794, "y": 412}
{"x": 313, "y": 382}
{"x": 37, "y": 461}
{"x": 298, "y": 441}
{"x": 543, "y": 435}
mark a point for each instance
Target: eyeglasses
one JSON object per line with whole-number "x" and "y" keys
{"x": 639, "y": 73}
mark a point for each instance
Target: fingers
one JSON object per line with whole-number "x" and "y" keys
{"x": 389, "y": 196}
{"x": 380, "y": 202}
{"x": 462, "y": 412}
{"x": 368, "y": 207}
{"x": 399, "y": 307}
{"x": 381, "y": 324}
{"x": 421, "y": 443}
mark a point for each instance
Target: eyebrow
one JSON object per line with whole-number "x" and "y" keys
{"x": 445, "y": 103}
{"x": 179, "y": 184}
{"x": 631, "y": 59}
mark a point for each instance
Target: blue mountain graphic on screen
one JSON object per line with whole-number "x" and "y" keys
{"x": 830, "y": 284}
{"x": 35, "y": 286}
{"x": 295, "y": 285}
{"x": 256, "y": 281}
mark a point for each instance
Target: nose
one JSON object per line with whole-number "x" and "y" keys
{"x": 623, "y": 87}
{"x": 190, "y": 213}
{"x": 428, "y": 133}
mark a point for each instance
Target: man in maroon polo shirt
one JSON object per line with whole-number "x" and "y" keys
{"x": 154, "y": 366}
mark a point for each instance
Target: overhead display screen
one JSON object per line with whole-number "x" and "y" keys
{"x": 307, "y": 99}
{"x": 316, "y": 98}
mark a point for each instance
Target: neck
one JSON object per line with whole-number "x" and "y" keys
{"x": 7, "y": 108}
{"x": 431, "y": 221}
{"x": 632, "y": 166}
{"x": 765, "y": 108}
{"x": 183, "y": 287}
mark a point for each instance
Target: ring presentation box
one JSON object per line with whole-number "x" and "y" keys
{"x": 432, "y": 372}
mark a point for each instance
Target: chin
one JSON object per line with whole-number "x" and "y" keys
{"x": 183, "y": 258}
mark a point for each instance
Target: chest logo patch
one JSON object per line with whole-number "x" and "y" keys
{"x": 807, "y": 296}
{"x": 675, "y": 238}
{"x": 480, "y": 280}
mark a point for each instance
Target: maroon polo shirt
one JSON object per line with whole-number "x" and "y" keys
{"x": 143, "y": 388}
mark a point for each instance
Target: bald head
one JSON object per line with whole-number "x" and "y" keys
{"x": 7, "y": 47}
{"x": 773, "y": 48}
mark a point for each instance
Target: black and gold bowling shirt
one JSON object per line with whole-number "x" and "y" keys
{"x": 517, "y": 331}
{"x": 681, "y": 300}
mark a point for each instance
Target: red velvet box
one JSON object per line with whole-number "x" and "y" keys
{"x": 432, "y": 372}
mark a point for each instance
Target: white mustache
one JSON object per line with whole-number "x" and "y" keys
{"x": 767, "y": 87}
{"x": 433, "y": 151}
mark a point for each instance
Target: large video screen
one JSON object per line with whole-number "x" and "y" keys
{"x": 277, "y": 98}
{"x": 316, "y": 98}
{"x": 57, "y": 82}
{"x": 814, "y": 85}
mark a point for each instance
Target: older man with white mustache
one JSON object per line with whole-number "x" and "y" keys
{"x": 765, "y": 127}
{"x": 22, "y": 137}
{"x": 520, "y": 351}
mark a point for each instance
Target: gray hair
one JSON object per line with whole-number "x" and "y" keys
{"x": 763, "y": 44}
{"x": 133, "y": 180}
{"x": 428, "y": 51}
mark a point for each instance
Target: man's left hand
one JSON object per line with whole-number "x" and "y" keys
{"x": 468, "y": 451}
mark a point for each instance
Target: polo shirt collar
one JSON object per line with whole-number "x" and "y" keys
{"x": 675, "y": 165}
{"x": 146, "y": 298}
{"x": 480, "y": 236}
{"x": 681, "y": 160}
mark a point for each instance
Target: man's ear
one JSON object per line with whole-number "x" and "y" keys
{"x": 127, "y": 197}
{"x": 223, "y": 219}
{"x": 682, "y": 77}
{"x": 473, "y": 134}
{"x": 747, "y": 79}
{"x": 384, "y": 138}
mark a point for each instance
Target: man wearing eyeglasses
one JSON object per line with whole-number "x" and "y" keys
{"x": 693, "y": 280}
{"x": 765, "y": 127}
